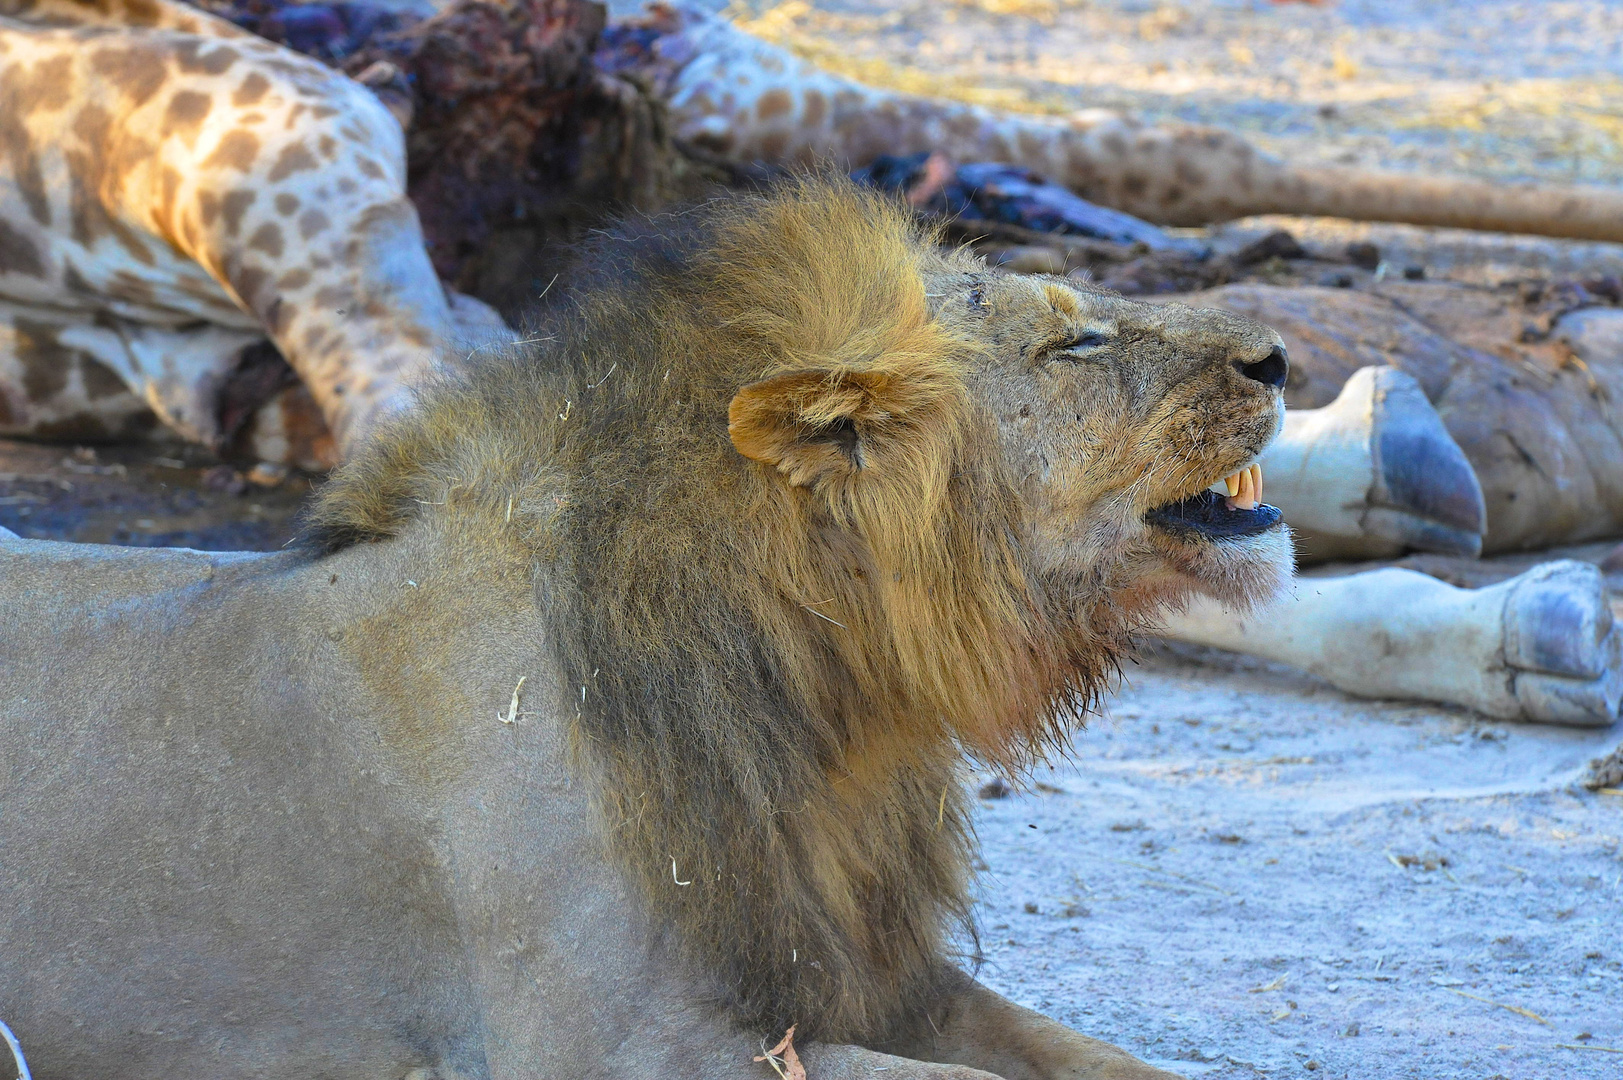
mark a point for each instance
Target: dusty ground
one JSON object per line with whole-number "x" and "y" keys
{"x": 1245, "y": 872}
{"x": 162, "y": 495}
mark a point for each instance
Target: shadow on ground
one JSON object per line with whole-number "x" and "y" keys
{"x": 157, "y": 495}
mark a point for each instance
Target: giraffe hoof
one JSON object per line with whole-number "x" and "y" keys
{"x": 1374, "y": 474}
{"x": 1562, "y": 646}
{"x": 1425, "y": 496}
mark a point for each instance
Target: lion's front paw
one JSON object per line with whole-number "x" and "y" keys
{"x": 1562, "y": 646}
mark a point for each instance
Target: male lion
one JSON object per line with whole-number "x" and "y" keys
{"x": 610, "y": 719}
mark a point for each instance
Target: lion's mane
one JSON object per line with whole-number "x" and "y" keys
{"x": 775, "y": 683}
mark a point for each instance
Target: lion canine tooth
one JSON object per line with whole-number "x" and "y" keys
{"x": 1245, "y": 496}
{"x": 1244, "y": 488}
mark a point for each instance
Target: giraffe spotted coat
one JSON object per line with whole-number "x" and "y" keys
{"x": 749, "y": 99}
{"x": 175, "y": 195}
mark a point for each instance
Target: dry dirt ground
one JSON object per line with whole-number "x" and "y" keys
{"x": 1244, "y": 872}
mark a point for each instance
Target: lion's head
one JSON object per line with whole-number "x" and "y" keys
{"x": 1115, "y": 418}
{"x": 1113, "y": 421}
{"x": 814, "y": 508}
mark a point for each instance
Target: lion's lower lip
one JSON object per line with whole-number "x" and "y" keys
{"x": 1208, "y": 515}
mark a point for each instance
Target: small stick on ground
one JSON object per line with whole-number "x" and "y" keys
{"x": 1529, "y": 1013}
{"x": 1174, "y": 874}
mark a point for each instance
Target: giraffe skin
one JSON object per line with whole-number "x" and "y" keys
{"x": 746, "y": 99}
{"x": 175, "y": 191}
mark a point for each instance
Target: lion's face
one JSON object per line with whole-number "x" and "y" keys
{"x": 1116, "y": 417}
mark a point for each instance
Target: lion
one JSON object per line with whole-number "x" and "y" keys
{"x": 611, "y": 716}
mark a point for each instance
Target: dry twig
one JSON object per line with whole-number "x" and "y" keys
{"x": 783, "y": 1059}
{"x": 1172, "y": 874}
{"x": 512, "y": 707}
{"x": 1529, "y": 1013}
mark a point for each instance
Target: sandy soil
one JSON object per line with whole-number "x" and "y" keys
{"x": 1244, "y": 871}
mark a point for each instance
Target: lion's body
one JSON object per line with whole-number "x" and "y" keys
{"x": 610, "y": 718}
{"x": 292, "y": 843}
{"x": 190, "y": 868}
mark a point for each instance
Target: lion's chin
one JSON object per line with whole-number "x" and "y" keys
{"x": 1244, "y": 568}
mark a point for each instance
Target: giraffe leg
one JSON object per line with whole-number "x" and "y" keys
{"x": 65, "y": 379}
{"x": 1539, "y": 647}
{"x": 752, "y": 100}
{"x": 220, "y": 189}
{"x": 328, "y": 253}
{"x": 60, "y": 383}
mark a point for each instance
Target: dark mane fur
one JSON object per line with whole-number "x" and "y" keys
{"x": 780, "y": 680}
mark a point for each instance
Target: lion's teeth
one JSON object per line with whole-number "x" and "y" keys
{"x": 1243, "y": 489}
{"x": 1246, "y": 497}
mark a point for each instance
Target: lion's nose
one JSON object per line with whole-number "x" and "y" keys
{"x": 1270, "y": 370}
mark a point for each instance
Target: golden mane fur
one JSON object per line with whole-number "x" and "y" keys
{"x": 778, "y": 663}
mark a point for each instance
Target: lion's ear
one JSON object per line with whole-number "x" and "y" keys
{"x": 813, "y": 425}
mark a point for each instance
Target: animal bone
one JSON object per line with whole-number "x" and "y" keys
{"x": 1541, "y": 646}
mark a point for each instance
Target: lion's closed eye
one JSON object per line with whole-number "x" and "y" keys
{"x": 1079, "y": 345}
{"x": 1092, "y": 339}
